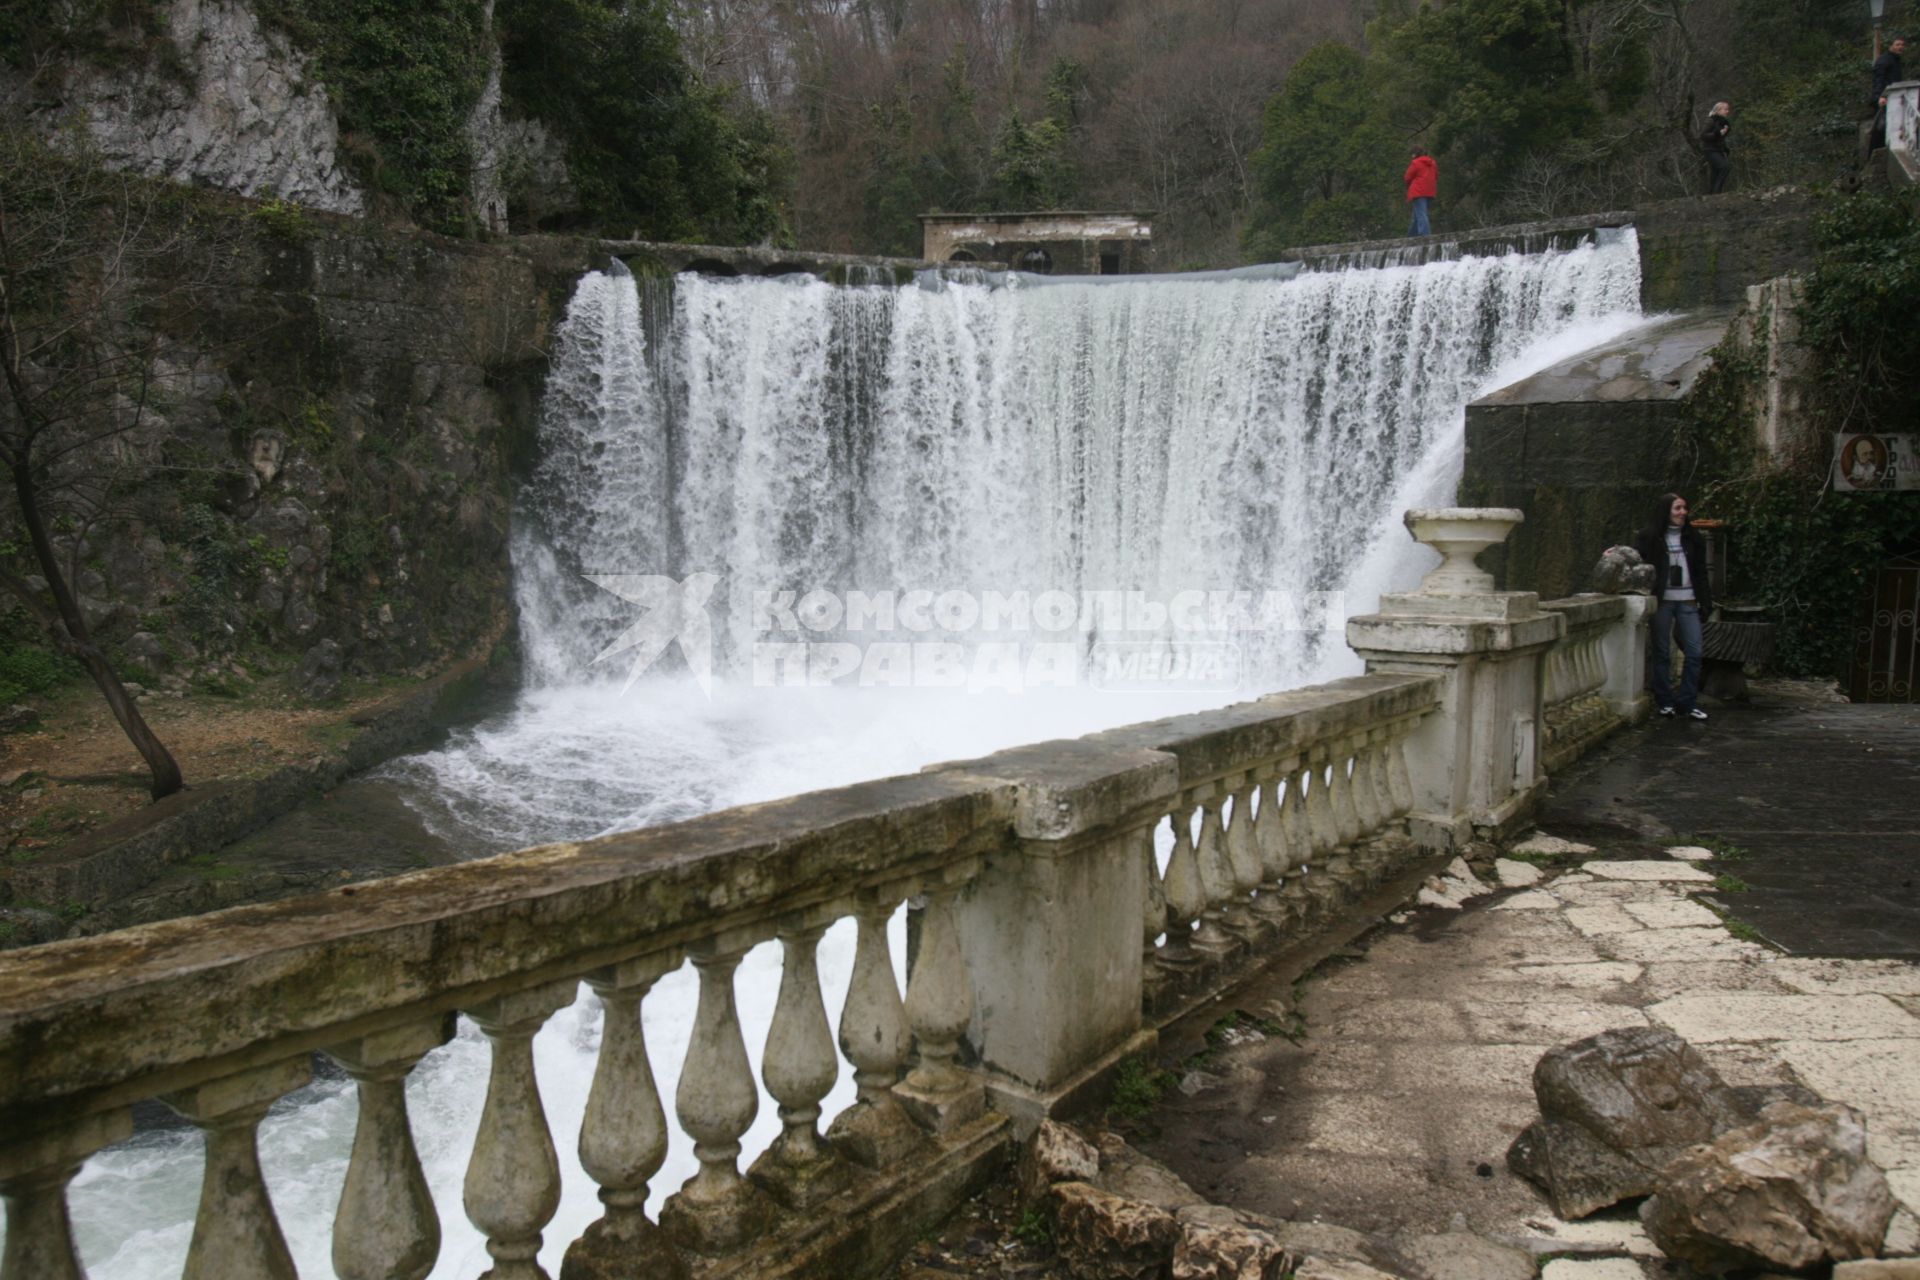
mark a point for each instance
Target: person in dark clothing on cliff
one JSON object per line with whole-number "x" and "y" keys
{"x": 1678, "y": 555}
{"x": 1713, "y": 141}
{"x": 1887, "y": 71}
{"x": 1423, "y": 184}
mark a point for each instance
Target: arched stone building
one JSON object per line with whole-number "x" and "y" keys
{"x": 1059, "y": 243}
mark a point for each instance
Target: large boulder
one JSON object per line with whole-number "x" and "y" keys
{"x": 1615, "y": 1109}
{"x": 1621, "y": 572}
{"x": 1793, "y": 1190}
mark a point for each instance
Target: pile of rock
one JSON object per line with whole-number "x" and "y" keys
{"x": 1120, "y": 1215}
{"x": 1736, "y": 1178}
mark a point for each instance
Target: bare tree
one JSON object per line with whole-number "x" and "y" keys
{"x": 93, "y": 267}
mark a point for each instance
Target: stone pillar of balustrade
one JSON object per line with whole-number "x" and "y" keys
{"x": 1474, "y": 764}
{"x": 1625, "y": 651}
{"x": 1051, "y": 927}
{"x": 34, "y": 1173}
{"x": 235, "y": 1231}
{"x": 386, "y": 1227}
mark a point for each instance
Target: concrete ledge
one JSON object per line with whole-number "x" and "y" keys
{"x": 864, "y": 1232}
{"x": 1026, "y": 1106}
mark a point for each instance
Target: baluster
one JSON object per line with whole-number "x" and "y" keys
{"x": 1370, "y": 779}
{"x": 717, "y": 1210}
{"x": 1324, "y": 826}
{"x": 623, "y": 1135}
{"x": 1383, "y": 740}
{"x": 513, "y": 1176}
{"x": 1398, "y": 780}
{"x": 33, "y": 1178}
{"x": 1216, "y": 879}
{"x": 1242, "y": 860}
{"x": 1153, "y": 977}
{"x": 875, "y": 1130}
{"x": 1270, "y": 841}
{"x": 1366, "y": 800}
{"x": 1294, "y": 825}
{"x": 386, "y": 1227}
{"x": 1346, "y": 817}
{"x": 1243, "y": 856}
{"x": 1186, "y": 899}
{"x": 799, "y": 1067}
{"x": 938, "y": 1092}
{"x": 235, "y": 1232}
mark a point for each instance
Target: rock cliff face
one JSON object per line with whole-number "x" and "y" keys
{"x": 326, "y": 473}
{"x": 230, "y": 103}
{"x": 215, "y": 96}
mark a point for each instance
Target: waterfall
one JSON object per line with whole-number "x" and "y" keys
{"x": 1241, "y": 431}
{"x": 1234, "y": 432}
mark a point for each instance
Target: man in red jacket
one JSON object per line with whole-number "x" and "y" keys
{"x": 1423, "y": 184}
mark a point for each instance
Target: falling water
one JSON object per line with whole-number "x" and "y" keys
{"x": 1233, "y": 432}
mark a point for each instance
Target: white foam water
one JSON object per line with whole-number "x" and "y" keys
{"x": 1165, "y": 434}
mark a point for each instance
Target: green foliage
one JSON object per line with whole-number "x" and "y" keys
{"x": 1802, "y": 550}
{"x": 1033, "y": 163}
{"x": 1744, "y": 931}
{"x": 1485, "y": 83}
{"x": 27, "y": 667}
{"x": 648, "y": 147}
{"x": 283, "y": 220}
{"x": 1725, "y": 883}
{"x": 1035, "y": 1228}
{"x": 358, "y": 546}
{"x": 220, "y": 561}
{"x": 1859, "y": 308}
{"x": 1318, "y": 173}
{"x": 404, "y": 75}
{"x": 1137, "y": 1089}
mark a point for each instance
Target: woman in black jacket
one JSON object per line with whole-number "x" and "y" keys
{"x": 1678, "y": 555}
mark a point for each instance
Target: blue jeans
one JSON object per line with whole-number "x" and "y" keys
{"x": 1420, "y": 226}
{"x": 1684, "y": 614}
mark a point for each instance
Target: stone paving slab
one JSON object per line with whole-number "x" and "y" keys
{"x": 1415, "y": 1073}
{"x": 1648, "y": 871}
{"x": 1755, "y": 1016}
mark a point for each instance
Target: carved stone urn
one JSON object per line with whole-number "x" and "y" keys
{"x": 1460, "y": 534}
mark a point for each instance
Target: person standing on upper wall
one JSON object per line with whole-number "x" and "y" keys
{"x": 1887, "y": 72}
{"x": 1678, "y": 555}
{"x": 1423, "y": 184}
{"x": 1713, "y": 141}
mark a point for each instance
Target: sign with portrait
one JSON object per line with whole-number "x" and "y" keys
{"x": 1864, "y": 461}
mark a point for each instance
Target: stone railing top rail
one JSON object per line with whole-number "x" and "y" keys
{"x": 1588, "y": 610}
{"x": 101, "y": 1021}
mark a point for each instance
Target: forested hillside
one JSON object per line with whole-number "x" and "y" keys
{"x": 1244, "y": 125}
{"x": 1250, "y": 124}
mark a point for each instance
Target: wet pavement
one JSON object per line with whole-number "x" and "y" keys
{"x": 1814, "y": 805}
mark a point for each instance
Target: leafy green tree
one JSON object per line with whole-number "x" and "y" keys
{"x": 648, "y": 147}
{"x": 1485, "y": 83}
{"x": 1033, "y": 164}
{"x": 1329, "y": 164}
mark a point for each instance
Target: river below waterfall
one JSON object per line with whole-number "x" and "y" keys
{"x": 981, "y": 442}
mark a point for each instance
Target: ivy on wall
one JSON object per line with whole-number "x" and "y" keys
{"x": 1798, "y": 547}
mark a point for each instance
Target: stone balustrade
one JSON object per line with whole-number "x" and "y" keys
{"x": 1053, "y": 940}
{"x": 1593, "y": 672}
{"x": 1048, "y": 947}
